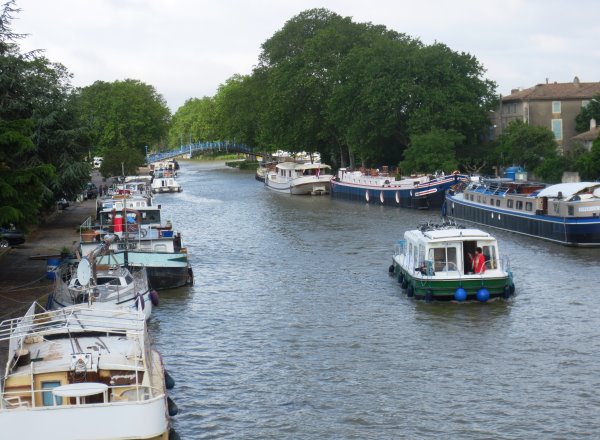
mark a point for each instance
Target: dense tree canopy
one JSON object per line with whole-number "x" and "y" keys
{"x": 41, "y": 152}
{"x": 194, "y": 121}
{"x": 587, "y": 113}
{"x": 124, "y": 115}
{"x": 526, "y": 145}
{"x": 354, "y": 92}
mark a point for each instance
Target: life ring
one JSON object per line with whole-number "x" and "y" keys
{"x": 398, "y": 197}
{"x": 367, "y": 196}
{"x": 381, "y": 197}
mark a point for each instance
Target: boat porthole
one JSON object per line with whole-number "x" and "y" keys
{"x": 367, "y": 196}
{"x": 381, "y": 197}
{"x": 398, "y": 197}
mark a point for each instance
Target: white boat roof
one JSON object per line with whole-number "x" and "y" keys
{"x": 301, "y": 166}
{"x": 452, "y": 234}
{"x": 568, "y": 190}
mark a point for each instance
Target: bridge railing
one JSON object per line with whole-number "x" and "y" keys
{"x": 200, "y": 146}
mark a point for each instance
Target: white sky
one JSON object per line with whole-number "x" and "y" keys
{"x": 186, "y": 48}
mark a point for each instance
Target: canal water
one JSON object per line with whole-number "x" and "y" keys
{"x": 294, "y": 329}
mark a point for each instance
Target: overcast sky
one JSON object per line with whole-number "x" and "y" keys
{"x": 186, "y": 48}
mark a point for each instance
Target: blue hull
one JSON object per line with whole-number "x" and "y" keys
{"x": 566, "y": 231}
{"x": 424, "y": 196}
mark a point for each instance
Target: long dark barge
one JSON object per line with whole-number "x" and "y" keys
{"x": 566, "y": 213}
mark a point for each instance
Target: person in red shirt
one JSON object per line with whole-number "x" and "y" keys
{"x": 478, "y": 261}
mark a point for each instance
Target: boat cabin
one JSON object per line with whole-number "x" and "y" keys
{"x": 581, "y": 199}
{"x": 447, "y": 250}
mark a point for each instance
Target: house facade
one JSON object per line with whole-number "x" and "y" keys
{"x": 554, "y": 106}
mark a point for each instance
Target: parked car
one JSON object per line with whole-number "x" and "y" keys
{"x": 11, "y": 237}
{"x": 91, "y": 191}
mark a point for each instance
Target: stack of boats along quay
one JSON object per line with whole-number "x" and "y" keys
{"x": 83, "y": 373}
{"x": 142, "y": 238}
{"x": 439, "y": 262}
{"x": 565, "y": 213}
{"x": 299, "y": 178}
{"x": 373, "y": 186}
{"x": 102, "y": 286}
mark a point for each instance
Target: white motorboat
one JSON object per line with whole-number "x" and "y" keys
{"x": 299, "y": 178}
{"x": 105, "y": 286}
{"x": 164, "y": 181}
{"x": 82, "y": 373}
{"x": 450, "y": 262}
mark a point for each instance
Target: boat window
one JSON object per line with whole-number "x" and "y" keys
{"x": 489, "y": 253}
{"x": 528, "y": 206}
{"x": 498, "y": 202}
{"x": 421, "y": 254}
{"x": 444, "y": 259}
{"x": 509, "y": 203}
{"x": 108, "y": 280}
{"x": 492, "y": 202}
{"x": 478, "y": 199}
{"x": 128, "y": 279}
{"x": 519, "y": 204}
{"x": 47, "y": 396}
{"x": 570, "y": 210}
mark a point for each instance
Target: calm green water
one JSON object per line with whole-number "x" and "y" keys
{"x": 294, "y": 330}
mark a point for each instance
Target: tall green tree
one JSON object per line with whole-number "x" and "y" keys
{"x": 124, "y": 114}
{"x": 194, "y": 121}
{"x": 587, "y": 113}
{"x": 40, "y": 140}
{"x": 240, "y": 105}
{"x": 526, "y": 145}
{"x": 430, "y": 152}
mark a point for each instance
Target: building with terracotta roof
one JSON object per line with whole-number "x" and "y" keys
{"x": 554, "y": 106}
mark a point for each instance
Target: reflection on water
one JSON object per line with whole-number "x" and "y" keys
{"x": 295, "y": 330}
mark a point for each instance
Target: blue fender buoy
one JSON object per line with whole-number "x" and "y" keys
{"x": 512, "y": 288}
{"x": 154, "y": 297}
{"x": 483, "y": 294}
{"x": 404, "y": 284}
{"x": 506, "y": 292}
{"x": 400, "y": 278}
{"x": 169, "y": 381}
{"x": 174, "y": 435}
{"x": 391, "y": 268}
{"x": 460, "y": 294}
{"x": 172, "y": 407}
{"x": 410, "y": 292}
{"x": 428, "y": 295}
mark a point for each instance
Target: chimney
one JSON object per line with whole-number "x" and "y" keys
{"x": 592, "y": 124}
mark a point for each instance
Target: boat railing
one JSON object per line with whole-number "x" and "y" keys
{"x": 73, "y": 319}
{"x": 21, "y": 399}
